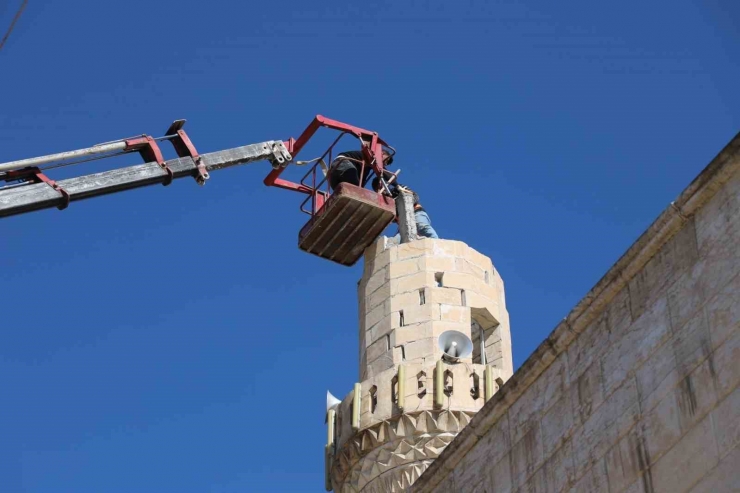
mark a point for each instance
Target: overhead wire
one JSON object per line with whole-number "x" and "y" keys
{"x": 13, "y": 23}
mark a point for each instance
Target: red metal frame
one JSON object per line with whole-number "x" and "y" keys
{"x": 372, "y": 152}
{"x": 184, "y": 148}
{"x": 35, "y": 175}
{"x": 149, "y": 150}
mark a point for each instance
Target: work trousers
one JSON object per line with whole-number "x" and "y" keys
{"x": 423, "y": 227}
{"x": 343, "y": 172}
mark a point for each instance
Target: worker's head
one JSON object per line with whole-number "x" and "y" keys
{"x": 387, "y": 157}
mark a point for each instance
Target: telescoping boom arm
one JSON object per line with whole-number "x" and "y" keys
{"x": 344, "y": 220}
{"x": 30, "y": 189}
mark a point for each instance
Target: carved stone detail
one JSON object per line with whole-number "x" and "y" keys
{"x": 390, "y": 455}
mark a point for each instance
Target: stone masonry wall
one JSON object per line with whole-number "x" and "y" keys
{"x": 643, "y": 396}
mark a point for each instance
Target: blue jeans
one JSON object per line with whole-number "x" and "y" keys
{"x": 423, "y": 227}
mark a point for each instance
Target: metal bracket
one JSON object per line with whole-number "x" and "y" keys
{"x": 65, "y": 195}
{"x": 150, "y": 152}
{"x": 184, "y": 148}
{"x": 280, "y": 155}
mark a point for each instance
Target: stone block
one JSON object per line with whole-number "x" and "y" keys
{"x": 624, "y": 462}
{"x": 718, "y": 270}
{"x": 438, "y": 264}
{"x": 376, "y": 263}
{"x": 378, "y": 297}
{"x": 500, "y": 476}
{"x": 651, "y": 376}
{"x": 412, "y": 249}
{"x": 383, "y": 327}
{"x": 494, "y": 351}
{"x": 476, "y": 258}
{"x": 414, "y": 282}
{"x": 587, "y": 392}
{"x": 446, "y": 486}
{"x": 725, "y": 364}
{"x": 443, "y": 296}
{"x": 691, "y": 344}
{"x": 593, "y": 480}
{"x": 608, "y": 422}
{"x": 718, "y": 234}
{"x": 379, "y": 365}
{"x": 376, "y": 248}
{"x": 526, "y": 455}
{"x": 492, "y": 336}
{"x": 630, "y": 349}
{"x": 540, "y": 396}
{"x": 557, "y": 425}
{"x": 376, "y": 280}
{"x": 457, "y": 314}
{"x": 687, "y": 462}
{"x": 409, "y": 333}
{"x": 465, "y": 266}
{"x": 378, "y": 348}
{"x": 669, "y": 263}
{"x": 685, "y": 297}
{"x": 589, "y": 346}
{"x": 726, "y": 418}
{"x": 662, "y": 427}
{"x": 489, "y": 292}
{"x": 459, "y": 280}
{"x": 718, "y": 221}
{"x": 472, "y": 469}
{"x": 619, "y": 312}
{"x": 417, "y": 351}
{"x": 405, "y": 300}
{"x": 673, "y": 361}
{"x": 723, "y": 312}
{"x": 723, "y": 478}
{"x": 696, "y": 396}
{"x": 559, "y": 469}
{"x": 405, "y": 268}
{"x": 377, "y": 314}
{"x": 417, "y": 314}
{"x": 447, "y": 248}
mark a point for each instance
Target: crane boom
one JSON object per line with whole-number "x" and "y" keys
{"x": 35, "y": 196}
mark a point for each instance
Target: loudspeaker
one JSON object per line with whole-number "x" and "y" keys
{"x": 455, "y": 345}
{"x": 331, "y": 401}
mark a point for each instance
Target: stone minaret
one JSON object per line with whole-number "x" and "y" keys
{"x": 410, "y": 403}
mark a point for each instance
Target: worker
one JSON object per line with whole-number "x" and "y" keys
{"x": 423, "y": 222}
{"x": 347, "y": 168}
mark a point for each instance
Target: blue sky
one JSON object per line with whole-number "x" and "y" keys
{"x": 176, "y": 340}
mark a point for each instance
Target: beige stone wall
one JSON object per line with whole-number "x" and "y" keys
{"x": 637, "y": 390}
{"x": 411, "y": 293}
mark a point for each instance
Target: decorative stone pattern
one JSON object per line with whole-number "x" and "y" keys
{"x": 371, "y": 459}
{"x": 638, "y": 389}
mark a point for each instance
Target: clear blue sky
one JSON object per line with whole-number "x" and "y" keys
{"x": 176, "y": 340}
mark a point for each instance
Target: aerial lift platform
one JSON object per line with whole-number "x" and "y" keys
{"x": 342, "y": 223}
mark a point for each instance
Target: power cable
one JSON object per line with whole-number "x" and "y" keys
{"x": 12, "y": 24}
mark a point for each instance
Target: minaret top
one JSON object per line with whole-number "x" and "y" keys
{"x": 410, "y": 293}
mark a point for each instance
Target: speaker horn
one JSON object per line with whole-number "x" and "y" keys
{"x": 455, "y": 345}
{"x": 331, "y": 401}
